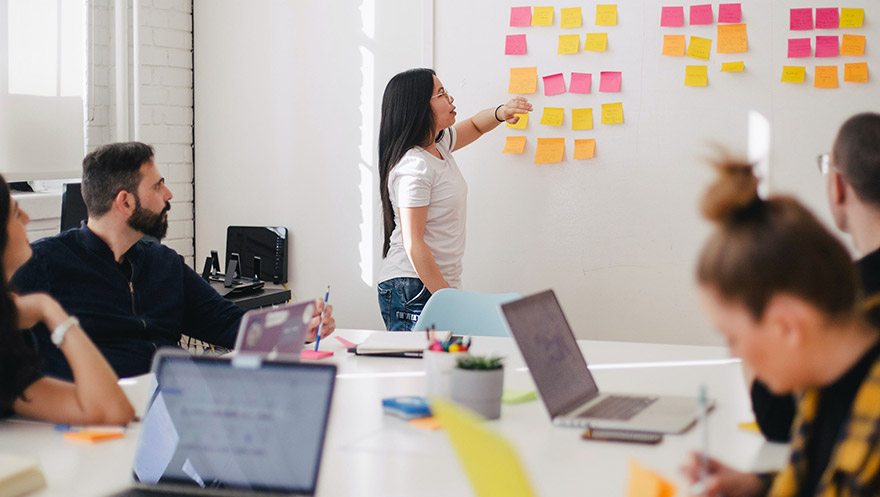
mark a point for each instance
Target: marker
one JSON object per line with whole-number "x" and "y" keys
{"x": 703, "y": 411}
{"x": 321, "y": 322}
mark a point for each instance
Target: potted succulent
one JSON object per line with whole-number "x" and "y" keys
{"x": 477, "y": 383}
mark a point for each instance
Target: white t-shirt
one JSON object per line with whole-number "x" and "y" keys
{"x": 420, "y": 180}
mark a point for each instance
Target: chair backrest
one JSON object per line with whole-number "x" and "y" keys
{"x": 466, "y": 313}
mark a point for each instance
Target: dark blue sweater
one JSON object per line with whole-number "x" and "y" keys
{"x": 127, "y": 319}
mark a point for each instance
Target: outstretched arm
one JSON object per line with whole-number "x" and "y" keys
{"x": 469, "y": 130}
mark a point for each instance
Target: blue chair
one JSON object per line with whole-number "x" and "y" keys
{"x": 466, "y": 313}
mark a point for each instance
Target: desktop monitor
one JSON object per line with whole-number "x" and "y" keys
{"x": 73, "y": 208}
{"x": 269, "y": 243}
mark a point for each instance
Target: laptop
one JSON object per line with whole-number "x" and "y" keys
{"x": 567, "y": 387}
{"x": 275, "y": 331}
{"x": 220, "y": 427}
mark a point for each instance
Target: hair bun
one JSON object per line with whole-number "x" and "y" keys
{"x": 735, "y": 191}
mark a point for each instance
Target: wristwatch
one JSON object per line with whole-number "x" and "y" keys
{"x": 61, "y": 330}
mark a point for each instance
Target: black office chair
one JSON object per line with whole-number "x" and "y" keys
{"x": 73, "y": 208}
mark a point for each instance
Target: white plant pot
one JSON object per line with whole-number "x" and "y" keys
{"x": 479, "y": 390}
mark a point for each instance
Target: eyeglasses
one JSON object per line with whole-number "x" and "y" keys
{"x": 443, "y": 93}
{"x": 824, "y": 163}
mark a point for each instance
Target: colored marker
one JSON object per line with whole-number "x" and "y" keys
{"x": 321, "y": 322}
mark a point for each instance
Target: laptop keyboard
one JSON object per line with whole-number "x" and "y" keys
{"x": 618, "y": 407}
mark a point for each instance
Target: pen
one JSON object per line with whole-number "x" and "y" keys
{"x": 321, "y": 322}
{"x": 703, "y": 411}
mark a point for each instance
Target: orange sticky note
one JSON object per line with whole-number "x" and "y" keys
{"x": 585, "y": 149}
{"x": 522, "y": 123}
{"x": 553, "y": 116}
{"x": 429, "y": 423}
{"x": 569, "y": 44}
{"x": 612, "y": 113}
{"x": 523, "y": 80}
{"x": 856, "y": 72}
{"x": 732, "y": 38}
{"x": 606, "y": 15}
{"x": 92, "y": 436}
{"x": 696, "y": 76}
{"x": 571, "y": 18}
{"x": 646, "y": 483}
{"x": 793, "y": 74}
{"x": 581, "y": 119}
{"x": 699, "y": 48}
{"x": 852, "y": 45}
{"x": 542, "y": 16}
{"x": 550, "y": 150}
{"x": 514, "y": 145}
{"x": 596, "y": 42}
{"x": 826, "y": 77}
{"x": 674, "y": 44}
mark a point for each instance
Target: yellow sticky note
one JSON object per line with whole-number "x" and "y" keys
{"x": 569, "y": 44}
{"x": 585, "y": 149}
{"x": 612, "y": 113}
{"x": 542, "y": 16}
{"x": 852, "y": 45}
{"x": 581, "y": 118}
{"x": 553, "y": 116}
{"x": 674, "y": 44}
{"x": 826, "y": 77}
{"x": 522, "y": 123}
{"x": 606, "y": 15}
{"x": 596, "y": 42}
{"x": 696, "y": 76}
{"x": 793, "y": 74}
{"x": 732, "y": 38}
{"x": 646, "y": 483}
{"x": 514, "y": 145}
{"x": 523, "y": 80}
{"x": 855, "y": 73}
{"x": 852, "y": 18}
{"x": 749, "y": 426}
{"x": 571, "y": 18}
{"x": 699, "y": 48}
{"x": 733, "y": 66}
{"x": 550, "y": 150}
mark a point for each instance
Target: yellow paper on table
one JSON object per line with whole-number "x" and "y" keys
{"x": 732, "y": 38}
{"x": 514, "y": 145}
{"x": 793, "y": 74}
{"x": 612, "y": 113}
{"x": 856, "y": 72}
{"x": 569, "y": 44}
{"x": 852, "y": 45}
{"x": 749, "y": 426}
{"x": 550, "y": 150}
{"x": 646, "y": 483}
{"x": 571, "y": 18}
{"x": 596, "y": 42}
{"x": 523, "y": 80}
{"x": 826, "y": 77}
{"x": 585, "y": 149}
{"x": 699, "y": 48}
{"x": 489, "y": 460}
{"x": 542, "y": 16}
{"x": 606, "y": 15}
{"x": 674, "y": 44}
{"x": 553, "y": 116}
{"x": 696, "y": 76}
{"x": 581, "y": 118}
{"x": 733, "y": 66}
{"x": 522, "y": 123}
{"x": 852, "y": 18}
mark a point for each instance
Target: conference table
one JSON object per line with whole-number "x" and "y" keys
{"x": 369, "y": 453}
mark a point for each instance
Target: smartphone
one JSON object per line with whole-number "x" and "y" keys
{"x": 632, "y": 436}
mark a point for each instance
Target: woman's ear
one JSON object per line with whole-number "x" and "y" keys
{"x": 790, "y": 319}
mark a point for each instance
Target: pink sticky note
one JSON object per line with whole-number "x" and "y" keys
{"x": 701, "y": 14}
{"x": 348, "y": 345}
{"x": 520, "y": 16}
{"x": 801, "y": 19}
{"x": 672, "y": 17}
{"x": 515, "y": 45}
{"x": 610, "y": 81}
{"x": 827, "y": 18}
{"x": 827, "y": 46}
{"x": 799, "y": 47}
{"x": 314, "y": 355}
{"x": 554, "y": 84}
{"x": 581, "y": 82}
{"x": 730, "y": 12}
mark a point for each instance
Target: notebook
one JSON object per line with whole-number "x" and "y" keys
{"x": 567, "y": 387}
{"x": 397, "y": 343}
{"x": 275, "y": 331}
{"x": 219, "y": 426}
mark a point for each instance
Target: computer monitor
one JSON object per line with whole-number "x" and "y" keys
{"x": 73, "y": 208}
{"x": 269, "y": 243}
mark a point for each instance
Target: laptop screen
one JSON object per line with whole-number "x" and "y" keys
{"x": 275, "y": 329}
{"x": 550, "y": 351}
{"x": 212, "y": 424}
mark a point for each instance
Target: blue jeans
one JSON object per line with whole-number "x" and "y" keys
{"x": 401, "y": 300}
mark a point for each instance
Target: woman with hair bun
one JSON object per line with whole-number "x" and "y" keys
{"x": 785, "y": 295}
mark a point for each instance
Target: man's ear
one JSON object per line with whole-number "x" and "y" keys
{"x": 790, "y": 319}
{"x": 125, "y": 202}
{"x": 838, "y": 187}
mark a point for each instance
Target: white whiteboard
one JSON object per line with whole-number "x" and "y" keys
{"x": 617, "y": 236}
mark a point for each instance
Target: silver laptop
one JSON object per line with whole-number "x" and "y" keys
{"x": 217, "y": 426}
{"x": 275, "y": 331}
{"x": 568, "y": 389}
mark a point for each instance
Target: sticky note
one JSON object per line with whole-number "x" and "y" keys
{"x": 646, "y": 483}
{"x": 826, "y": 77}
{"x": 553, "y": 116}
{"x": 516, "y": 396}
{"x": 733, "y": 66}
{"x": 827, "y": 46}
{"x": 827, "y": 18}
{"x": 793, "y": 74}
{"x": 520, "y": 17}
{"x": 554, "y": 84}
{"x": 514, "y": 145}
{"x": 800, "y": 19}
{"x": 542, "y": 16}
{"x": 733, "y": 38}
{"x": 430, "y": 423}
{"x": 856, "y": 72}
{"x": 751, "y": 426}
{"x": 569, "y": 44}
{"x": 799, "y": 47}
{"x": 730, "y": 13}
{"x": 580, "y": 82}
{"x": 346, "y": 343}
{"x": 314, "y": 355}
{"x": 701, "y": 14}
{"x": 515, "y": 45}
{"x": 612, "y": 113}
{"x": 91, "y": 436}
{"x": 571, "y": 18}
{"x": 581, "y": 119}
{"x": 672, "y": 17}
{"x": 522, "y": 123}
{"x": 699, "y": 48}
{"x": 852, "y": 18}
{"x": 610, "y": 81}
{"x": 674, "y": 44}
{"x": 852, "y": 45}
{"x": 606, "y": 15}
{"x": 585, "y": 148}
{"x": 550, "y": 150}
{"x": 596, "y": 42}
{"x": 523, "y": 80}
{"x": 696, "y": 76}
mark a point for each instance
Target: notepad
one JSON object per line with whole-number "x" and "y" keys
{"x": 397, "y": 343}
{"x": 314, "y": 355}
{"x": 92, "y": 436}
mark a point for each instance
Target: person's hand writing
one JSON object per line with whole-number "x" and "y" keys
{"x": 721, "y": 481}
{"x": 516, "y": 105}
{"x": 329, "y": 325}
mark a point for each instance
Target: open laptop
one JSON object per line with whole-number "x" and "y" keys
{"x": 220, "y": 427}
{"x": 275, "y": 331}
{"x": 566, "y": 385}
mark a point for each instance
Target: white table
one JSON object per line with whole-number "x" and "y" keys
{"x": 371, "y": 454}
